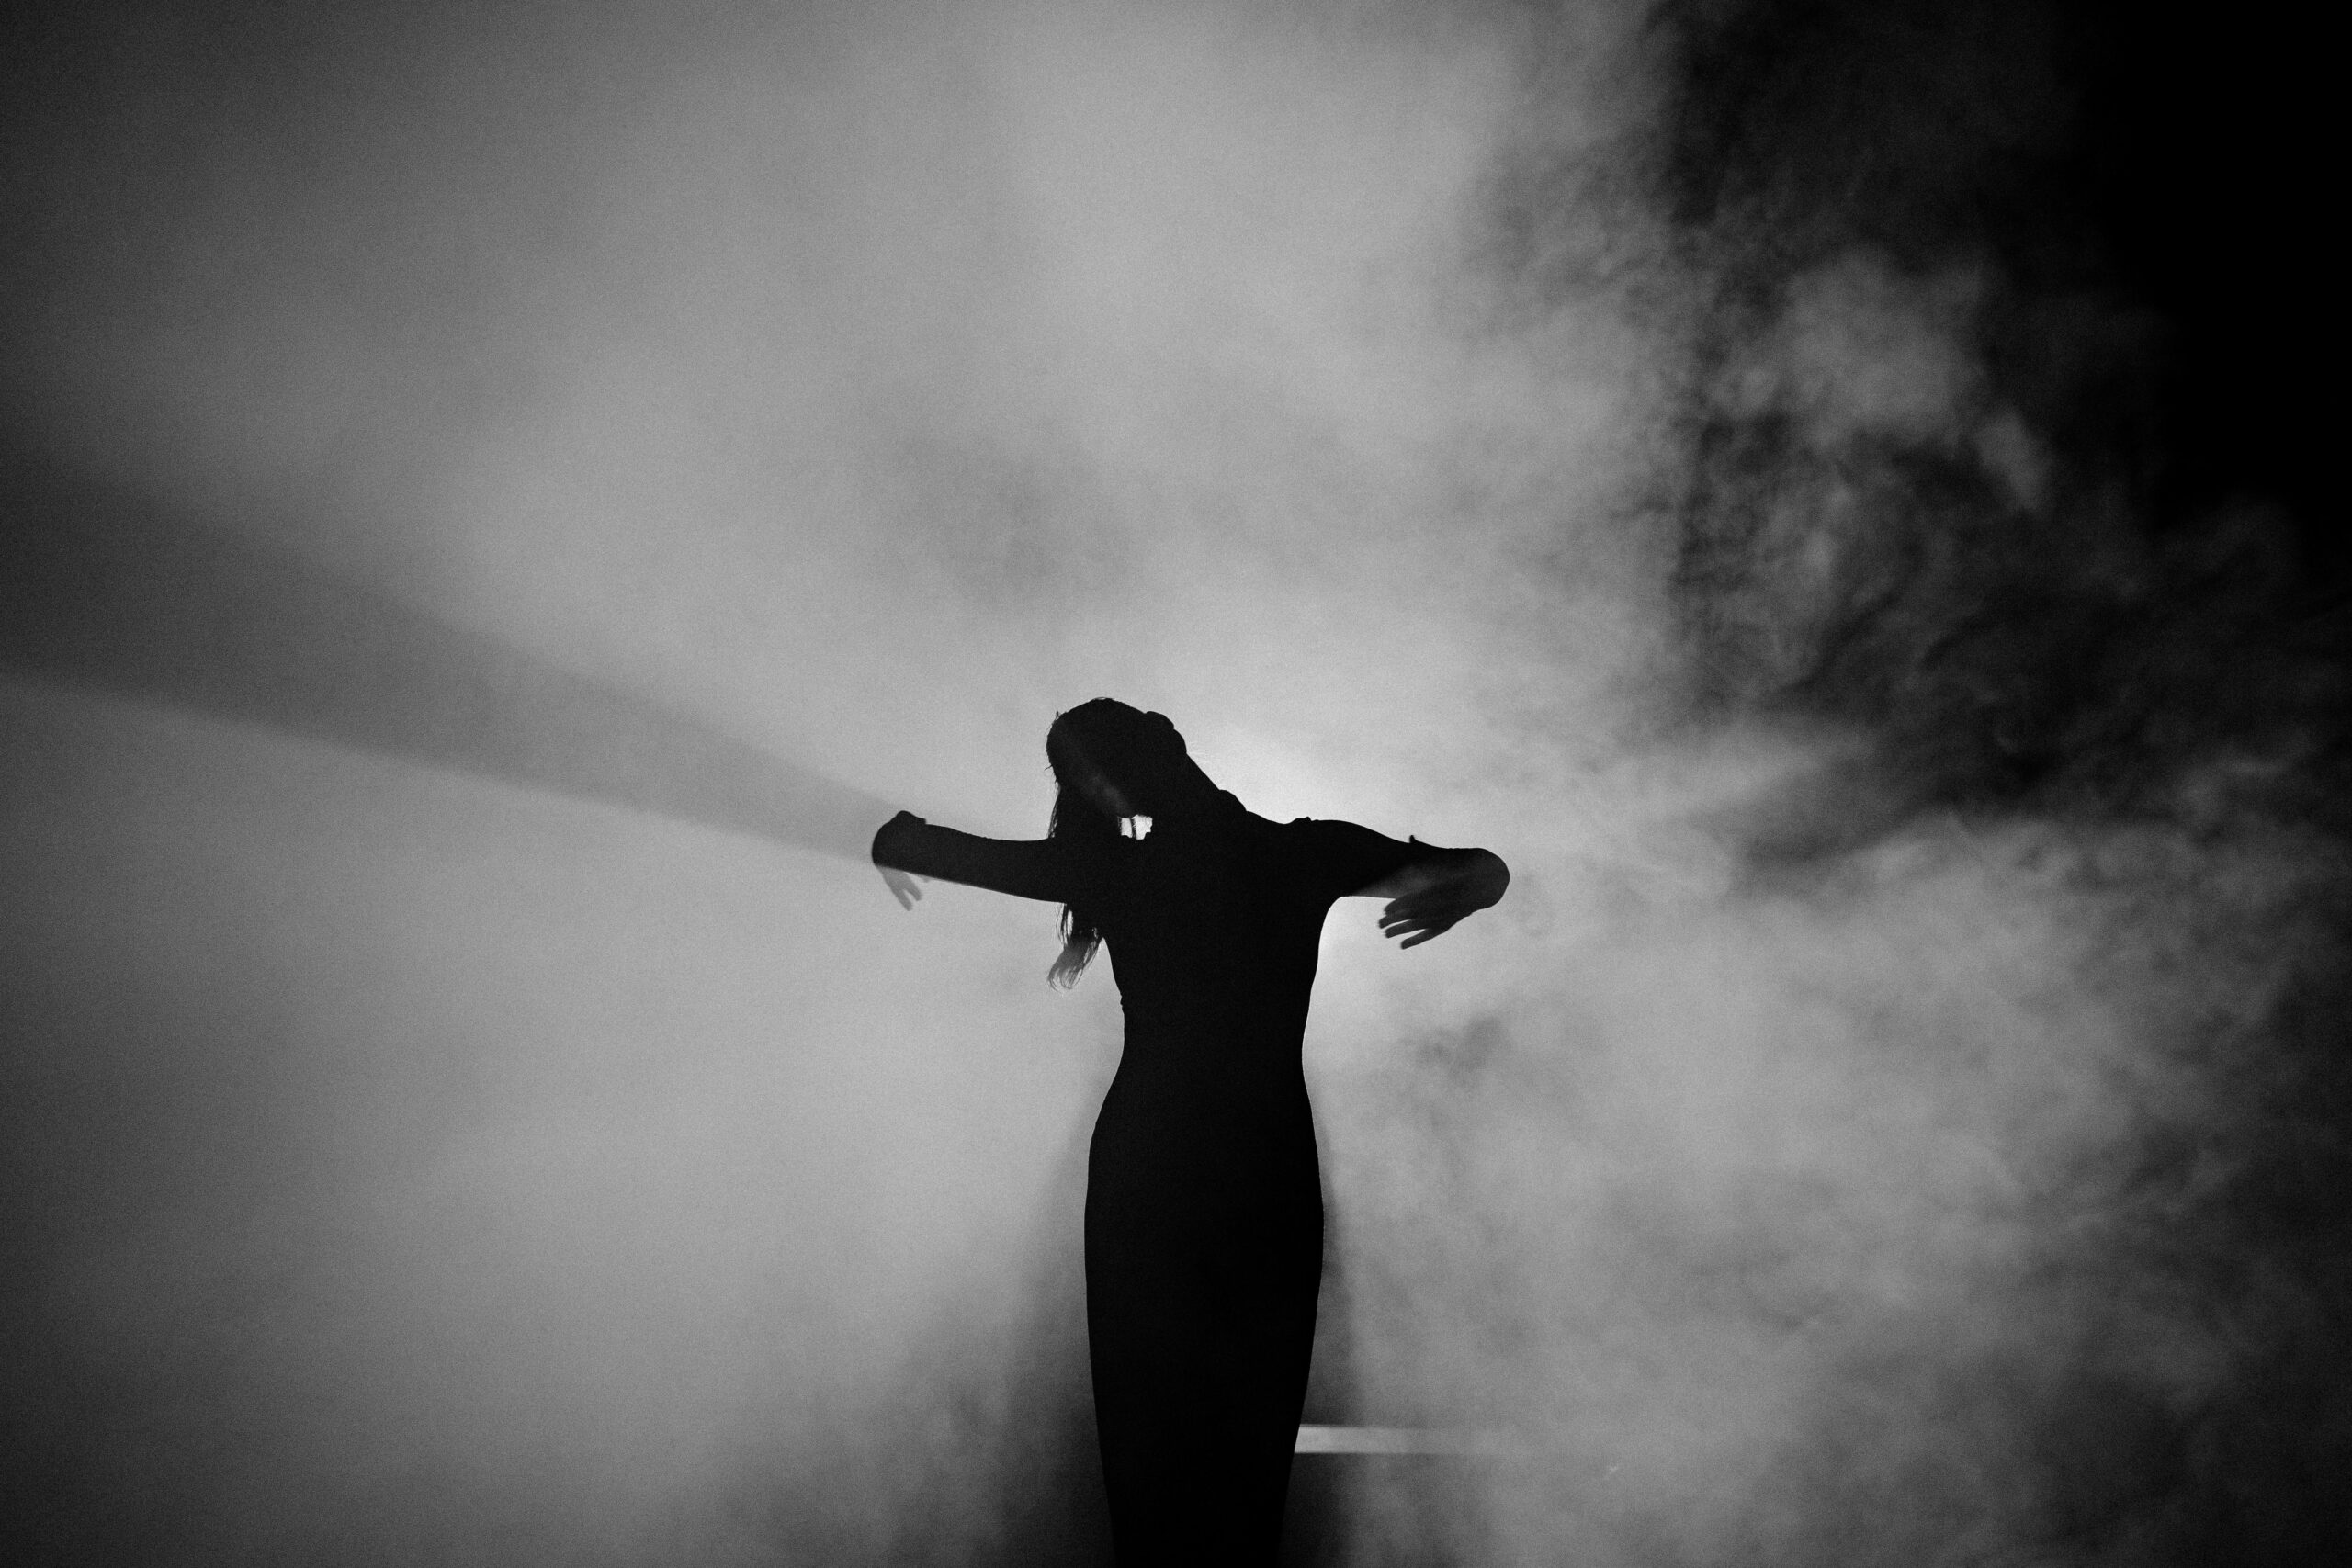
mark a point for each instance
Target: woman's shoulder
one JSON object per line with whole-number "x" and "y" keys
{"x": 1338, "y": 857}
{"x": 1320, "y": 830}
{"x": 1300, "y": 836}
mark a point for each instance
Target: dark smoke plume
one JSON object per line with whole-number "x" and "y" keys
{"x": 1995, "y": 476}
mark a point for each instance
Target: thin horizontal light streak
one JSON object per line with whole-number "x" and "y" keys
{"x": 1406, "y": 1440}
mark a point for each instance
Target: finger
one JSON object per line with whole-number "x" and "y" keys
{"x": 1426, "y": 930}
{"x": 1416, "y": 904}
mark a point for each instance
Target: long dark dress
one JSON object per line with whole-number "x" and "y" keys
{"x": 1203, "y": 1202}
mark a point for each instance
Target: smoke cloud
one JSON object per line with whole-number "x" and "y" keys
{"x": 1702, "y": 452}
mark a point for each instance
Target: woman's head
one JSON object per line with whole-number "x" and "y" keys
{"x": 1123, "y": 762}
{"x": 1112, "y": 761}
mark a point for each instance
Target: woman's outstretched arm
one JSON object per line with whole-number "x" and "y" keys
{"x": 1431, "y": 893}
{"x": 907, "y": 847}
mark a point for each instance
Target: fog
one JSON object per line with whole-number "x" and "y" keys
{"x": 488, "y": 1111}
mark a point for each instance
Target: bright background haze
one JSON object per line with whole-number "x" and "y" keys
{"x": 1736, "y": 461}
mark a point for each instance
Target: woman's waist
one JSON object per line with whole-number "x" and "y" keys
{"x": 1223, "y": 1077}
{"x": 1204, "y": 1029}
{"x": 1146, "y": 1126}
{"x": 1231, "y": 1005}
{"x": 1158, "y": 1145}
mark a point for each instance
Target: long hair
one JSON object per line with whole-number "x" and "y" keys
{"x": 1104, "y": 737}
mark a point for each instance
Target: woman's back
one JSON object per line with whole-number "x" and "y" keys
{"x": 1214, "y": 923}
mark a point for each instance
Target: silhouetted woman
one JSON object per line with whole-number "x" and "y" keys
{"x": 1204, "y": 1201}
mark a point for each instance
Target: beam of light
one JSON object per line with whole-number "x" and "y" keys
{"x": 102, "y": 588}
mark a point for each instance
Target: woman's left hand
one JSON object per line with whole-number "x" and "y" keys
{"x": 904, "y": 886}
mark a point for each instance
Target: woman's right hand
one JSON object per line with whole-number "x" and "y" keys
{"x": 1437, "y": 892}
